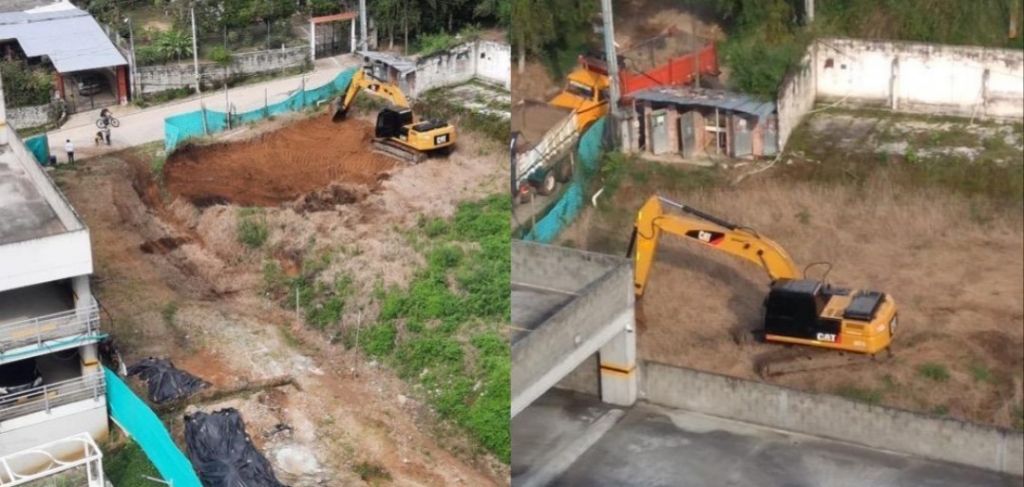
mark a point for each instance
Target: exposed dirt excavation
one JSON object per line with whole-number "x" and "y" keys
{"x": 178, "y": 283}
{"x": 279, "y": 166}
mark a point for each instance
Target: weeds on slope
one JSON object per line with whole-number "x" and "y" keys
{"x": 443, "y": 331}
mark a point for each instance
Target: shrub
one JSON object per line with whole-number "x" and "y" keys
{"x": 252, "y": 230}
{"x": 24, "y": 86}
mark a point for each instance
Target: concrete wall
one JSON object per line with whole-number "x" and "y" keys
{"x": 796, "y": 96}
{"x": 485, "y": 60}
{"x": 834, "y": 417}
{"x": 28, "y": 117}
{"x": 152, "y": 79}
{"x": 601, "y": 311}
{"x": 925, "y": 78}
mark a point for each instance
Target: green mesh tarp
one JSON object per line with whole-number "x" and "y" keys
{"x": 39, "y": 146}
{"x": 561, "y": 215}
{"x": 146, "y": 429}
{"x": 179, "y": 128}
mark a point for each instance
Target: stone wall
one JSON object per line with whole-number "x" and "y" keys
{"x": 28, "y": 117}
{"x": 796, "y": 96}
{"x": 163, "y": 77}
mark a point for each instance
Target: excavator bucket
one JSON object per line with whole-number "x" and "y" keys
{"x": 338, "y": 112}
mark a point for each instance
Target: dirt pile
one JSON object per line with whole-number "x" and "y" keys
{"x": 278, "y": 167}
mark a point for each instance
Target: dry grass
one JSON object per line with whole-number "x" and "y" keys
{"x": 953, "y": 264}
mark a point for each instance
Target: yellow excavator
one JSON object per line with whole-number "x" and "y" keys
{"x": 797, "y": 310}
{"x": 397, "y": 134}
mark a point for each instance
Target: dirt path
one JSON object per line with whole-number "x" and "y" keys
{"x": 178, "y": 284}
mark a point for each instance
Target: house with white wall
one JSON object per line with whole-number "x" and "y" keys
{"x": 51, "y": 383}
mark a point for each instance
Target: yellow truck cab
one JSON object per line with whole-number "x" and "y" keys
{"x": 586, "y": 93}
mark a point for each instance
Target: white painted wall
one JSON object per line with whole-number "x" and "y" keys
{"x": 485, "y": 60}
{"x": 494, "y": 62}
{"x": 35, "y": 429}
{"x": 918, "y": 77}
{"x": 796, "y": 97}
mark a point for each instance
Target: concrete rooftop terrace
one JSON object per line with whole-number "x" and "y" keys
{"x": 42, "y": 239}
{"x": 25, "y": 214}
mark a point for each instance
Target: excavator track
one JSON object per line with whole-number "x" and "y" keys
{"x": 397, "y": 151}
{"x": 799, "y": 360}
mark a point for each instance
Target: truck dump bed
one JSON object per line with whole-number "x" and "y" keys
{"x": 532, "y": 119}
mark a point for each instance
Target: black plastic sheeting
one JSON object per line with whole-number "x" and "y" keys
{"x": 222, "y": 453}
{"x": 166, "y": 383}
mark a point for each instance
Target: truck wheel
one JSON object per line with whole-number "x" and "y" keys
{"x": 565, "y": 170}
{"x": 525, "y": 197}
{"x": 548, "y": 185}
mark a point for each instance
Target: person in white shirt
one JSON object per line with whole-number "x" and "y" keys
{"x": 70, "y": 149}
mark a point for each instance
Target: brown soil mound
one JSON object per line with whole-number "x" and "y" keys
{"x": 279, "y": 166}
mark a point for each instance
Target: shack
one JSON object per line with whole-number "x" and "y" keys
{"x": 693, "y": 123}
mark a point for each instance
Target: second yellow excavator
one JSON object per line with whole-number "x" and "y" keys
{"x": 797, "y": 310}
{"x": 397, "y": 133}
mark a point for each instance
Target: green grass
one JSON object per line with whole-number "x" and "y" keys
{"x": 870, "y": 396}
{"x": 127, "y": 466}
{"x": 981, "y": 373}
{"x": 933, "y": 371}
{"x": 372, "y": 473}
{"x": 436, "y": 103}
{"x": 450, "y": 316}
{"x": 322, "y": 302}
{"x": 252, "y": 228}
{"x": 169, "y": 311}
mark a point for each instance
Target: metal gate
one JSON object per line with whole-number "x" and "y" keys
{"x": 688, "y": 133}
{"x": 659, "y": 132}
{"x": 770, "y": 135}
{"x": 741, "y": 139}
{"x": 333, "y": 38}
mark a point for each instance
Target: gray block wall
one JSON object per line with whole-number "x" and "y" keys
{"x": 835, "y": 417}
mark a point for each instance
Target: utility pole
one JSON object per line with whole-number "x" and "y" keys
{"x": 195, "y": 49}
{"x": 613, "y": 64}
{"x": 362, "y": 25}
{"x": 696, "y": 49}
{"x": 809, "y": 11}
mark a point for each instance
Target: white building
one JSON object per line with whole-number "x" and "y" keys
{"x": 51, "y": 382}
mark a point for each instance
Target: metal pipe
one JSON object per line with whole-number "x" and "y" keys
{"x": 700, "y": 214}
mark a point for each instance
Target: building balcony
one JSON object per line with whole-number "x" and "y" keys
{"x": 43, "y": 319}
{"x": 48, "y": 396}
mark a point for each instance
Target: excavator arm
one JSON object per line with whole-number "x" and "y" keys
{"x": 361, "y": 81}
{"x": 705, "y": 229}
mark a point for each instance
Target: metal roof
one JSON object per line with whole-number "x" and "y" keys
{"x": 404, "y": 65}
{"x": 70, "y": 37}
{"x": 726, "y": 100}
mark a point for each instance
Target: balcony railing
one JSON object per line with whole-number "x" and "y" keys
{"x": 49, "y": 396}
{"x": 39, "y": 329}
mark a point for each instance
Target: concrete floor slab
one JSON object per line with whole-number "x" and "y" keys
{"x": 655, "y": 446}
{"x": 24, "y": 212}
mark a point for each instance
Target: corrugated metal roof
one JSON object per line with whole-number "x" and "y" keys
{"x": 70, "y": 37}
{"x": 726, "y": 100}
{"x": 402, "y": 64}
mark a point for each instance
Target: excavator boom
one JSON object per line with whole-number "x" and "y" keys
{"x": 705, "y": 229}
{"x": 362, "y": 81}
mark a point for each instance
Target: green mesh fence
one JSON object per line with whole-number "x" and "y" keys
{"x": 146, "y": 429}
{"x": 571, "y": 202}
{"x": 180, "y": 128}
